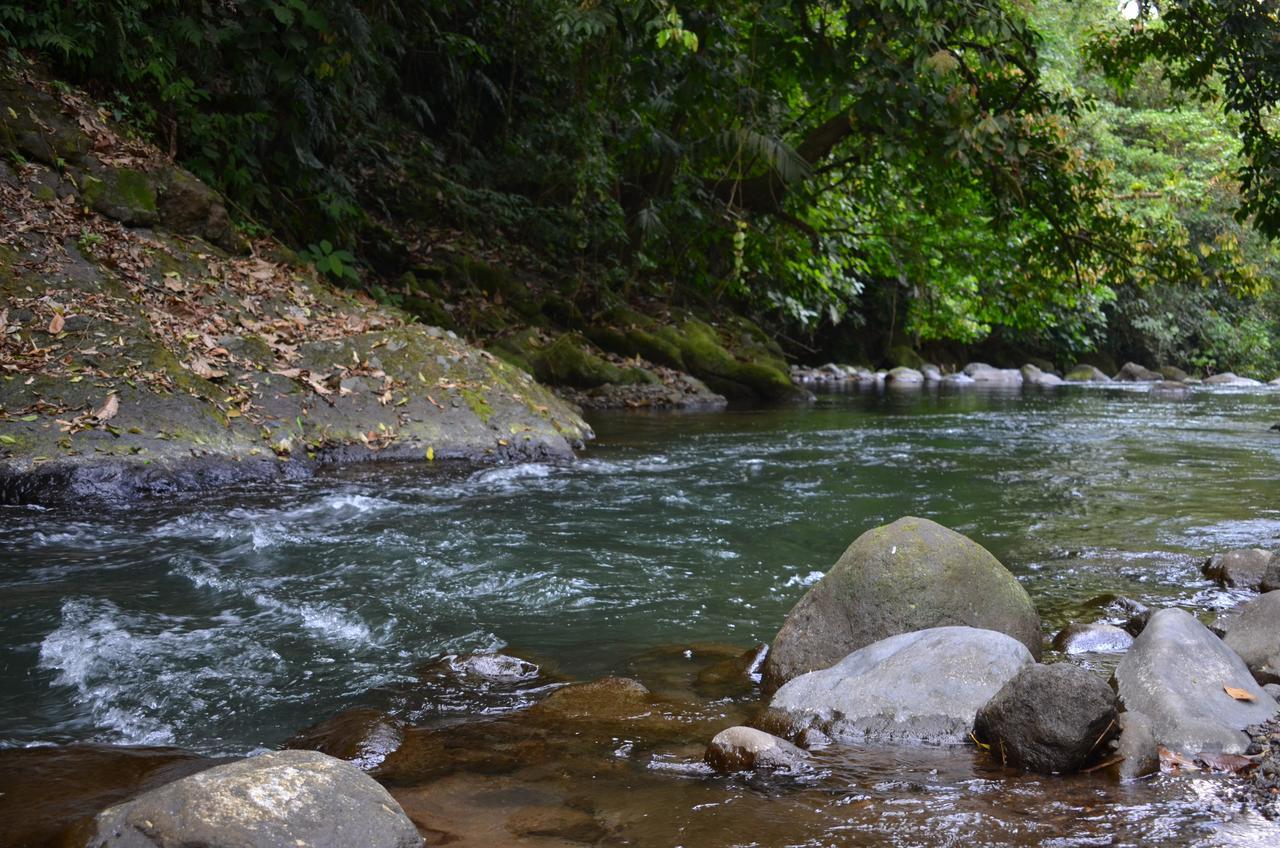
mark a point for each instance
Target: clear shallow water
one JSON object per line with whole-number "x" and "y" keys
{"x": 225, "y": 623}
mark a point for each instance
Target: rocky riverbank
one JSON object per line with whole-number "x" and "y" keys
{"x": 934, "y": 662}
{"x": 145, "y": 346}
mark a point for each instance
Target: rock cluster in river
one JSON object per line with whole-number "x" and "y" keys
{"x": 910, "y": 575}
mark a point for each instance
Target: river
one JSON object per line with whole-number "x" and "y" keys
{"x": 226, "y": 622}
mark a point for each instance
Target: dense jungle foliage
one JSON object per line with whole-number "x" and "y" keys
{"x": 1057, "y": 177}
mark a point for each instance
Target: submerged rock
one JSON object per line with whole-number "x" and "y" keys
{"x": 1242, "y": 569}
{"x": 1049, "y": 718}
{"x": 1094, "y": 638}
{"x": 1179, "y": 674}
{"x": 363, "y": 737}
{"x": 1254, "y": 634}
{"x": 276, "y": 799}
{"x": 1033, "y": 376}
{"x": 50, "y": 794}
{"x": 908, "y": 575}
{"x": 745, "y": 748}
{"x": 924, "y": 686}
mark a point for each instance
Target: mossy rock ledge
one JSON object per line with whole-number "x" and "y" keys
{"x": 138, "y": 361}
{"x": 910, "y": 575}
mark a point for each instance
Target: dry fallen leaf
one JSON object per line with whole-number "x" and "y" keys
{"x": 1239, "y": 694}
{"x": 203, "y": 368}
{"x": 1226, "y": 763}
{"x": 108, "y": 409}
{"x": 1172, "y": 762}
{"x": 55, "y": 326}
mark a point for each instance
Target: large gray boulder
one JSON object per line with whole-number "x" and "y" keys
{"x": 1049, "y": 718}
{"x": 925, "y": 686}
{"x": 745, "y": 748}
{"x": 1254, "y": 634}
{"x": 908, "y": 575}
{"x": 1178, "y": 674}
{"x": 284, "y": 798}
{"x": 1242, "y": 569}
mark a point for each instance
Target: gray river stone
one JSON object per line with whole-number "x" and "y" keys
{"x": 1094, "y": 638}
{"x": 905, "y": 576}
{"x": 903, "y": 376}
{"x": 1086, "y": 374}
{"x": 1049, "y": 718}
{"x": 1242, "y": 569}
{"x": 981, "y": 372}
{"x": 1229, "y": 379}
{"x": 745, "y": 748}
{"x": 1254, "y": 634}
{"x": 1132, "y": 372}
{"x": 925, "y": 686}
{"x": 284, "y": 798}
{"x": 1177, "y": 673}
{"x": 1271, "y": 577}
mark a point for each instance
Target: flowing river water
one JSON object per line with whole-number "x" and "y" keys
{"x": 224, "y": 623}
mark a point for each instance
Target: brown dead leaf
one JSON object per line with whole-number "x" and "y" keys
{"x": 202, "y": 367}
{"x": 1226, "y": 763}
{"x": 320, "y": 387}
{"x": 1239, "y": 694}
{"x": 108, "y": 409}
{"x": 291, "y": 373}
{"x": 1172, "y": 762}
{"x": 55, "y": 325}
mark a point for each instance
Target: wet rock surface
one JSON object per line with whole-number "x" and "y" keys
{"x": 909, "y": 575}
{"x": 924, "y": 686}
{"x": 1254, "y": 634}
{"x": 1135, "y": 749}
{"x": 745, "y": 748}
{"x": 1049, "y": 718}
{"x": 1242, "y": 569}
{"x": 1093, "y": 638}
{"x": 282, "y": 798}
{"x": 1179, "y": 674}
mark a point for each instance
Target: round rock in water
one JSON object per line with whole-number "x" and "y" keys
{"x": 1254, "y": 634}
{"x": 925, "y": 686}
{"x": 745, "y": 748}
{"x": 1095, "y": 638}
{"x": 909, "y": 575}
{"x": 284, "y": 798}
{"x": 1183, "y": 678}
{"x": 1271, "y": 577}
{"x": 1244, "y": 569}
{"x": 1049, "y": 718}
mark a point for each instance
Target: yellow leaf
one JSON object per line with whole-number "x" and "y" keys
{"x": 1239, "y": 694}
{"x": 431, "y": 454}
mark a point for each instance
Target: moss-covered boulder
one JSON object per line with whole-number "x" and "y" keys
{"x": 909, "y": 575}
{"x": 902, "y": 356}
{"x": 123, "y": 194}
{"x": 568, "y": 361}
